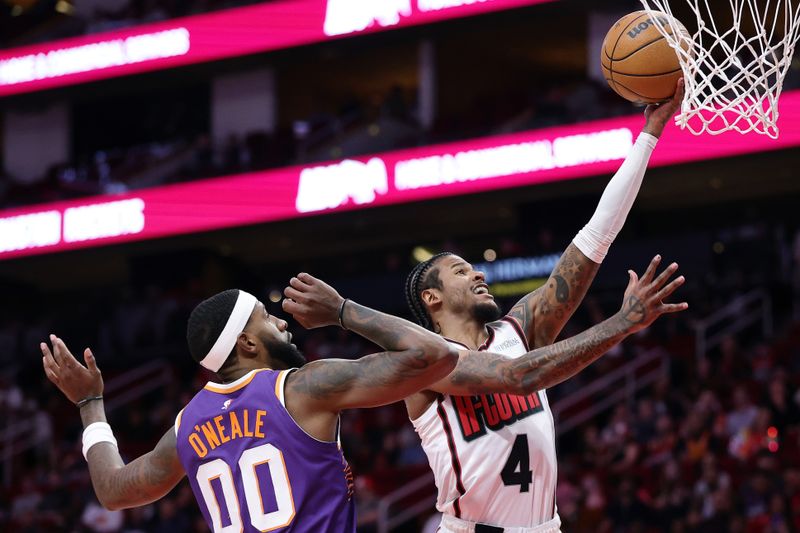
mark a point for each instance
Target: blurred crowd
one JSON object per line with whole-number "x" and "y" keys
{"x": 712, "y": 446}
{"x": 181, "y": 151}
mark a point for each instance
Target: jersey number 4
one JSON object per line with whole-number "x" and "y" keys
{"x": 218, "y": 470}
{"x": 517, "y": 470}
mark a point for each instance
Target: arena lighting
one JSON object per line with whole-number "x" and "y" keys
{"x": 274, "y": 25}
{"x": 65, "y": 8}
{"x": 421, "y": 254}
{"x": 516, "y": 288}
{"x": 439, "y": 171}
{"x": 64, "y": 62}
{"x": 517, "y": 268}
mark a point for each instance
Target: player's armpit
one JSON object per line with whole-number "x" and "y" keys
{"x": 544, "y": 312}
{"x": 142, "y": 481}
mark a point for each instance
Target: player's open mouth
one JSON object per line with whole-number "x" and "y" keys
{"x": 481, "y": 289}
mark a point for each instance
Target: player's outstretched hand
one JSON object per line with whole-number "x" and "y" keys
{"x": 312, "y": 302}
{"x": 75, "y": 380}
{"x": 658, "y": 115}
{"x": 644, "y": 298}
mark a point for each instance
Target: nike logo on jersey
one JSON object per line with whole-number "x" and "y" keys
{"x": 493, "y": 411}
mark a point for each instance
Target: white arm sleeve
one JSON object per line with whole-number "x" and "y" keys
{"x": 596, "y": 237}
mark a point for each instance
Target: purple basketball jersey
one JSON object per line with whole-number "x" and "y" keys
{"x": 252, "y": 468}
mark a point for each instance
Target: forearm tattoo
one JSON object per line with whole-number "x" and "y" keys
{"x": 483, "y": 373}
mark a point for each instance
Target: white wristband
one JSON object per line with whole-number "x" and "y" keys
{"x": 95, "y": 433}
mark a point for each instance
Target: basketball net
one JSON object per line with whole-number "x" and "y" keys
{"x": 734, "y": 76}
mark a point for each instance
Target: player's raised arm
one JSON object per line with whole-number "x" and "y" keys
{"x": 414, "y": 359}
{"x": 116, "y": 484}
{"x": 484, "y": 373}
{"x": 544, "y": 312}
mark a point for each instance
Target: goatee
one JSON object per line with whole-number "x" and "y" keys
{"x": 487, "y": 312}
{"x": 285, "y": 353}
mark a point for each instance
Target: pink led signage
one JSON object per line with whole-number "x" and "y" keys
{"x": 230, "y": 33}
{"x": 490, "y": 163}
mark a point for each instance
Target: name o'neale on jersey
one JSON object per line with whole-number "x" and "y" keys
{"x": 224, "y": 428}
{"x": 493, "y": 411}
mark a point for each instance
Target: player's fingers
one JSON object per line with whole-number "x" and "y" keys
{"x": 680, "y": 91}
{"x": 58, "y": 357}
{"x": 91, "y": 363}
{"x": 633, "y": 278}
{"x": 306, "y": 278}
{"x": 670, "y": 288}
{"x": 66, "y": 355}
{"x": 651, "y": 269}
{"x": 46, "y": 353}
{"x": 290, "y": 306}
{"x": 49, "y": 365}
{"x": 48, "y": 371}
{"x": 665, "y": 275}
{"x": 294, "y": 294}
{"x": 297, "y": 284}
{"x": 673, "y": 308}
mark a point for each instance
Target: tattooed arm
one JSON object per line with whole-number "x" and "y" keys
{"x": 143, "y": 480}
{"x": 414, "y": 359}
{"x": 116, "y": 484}
{"x": 483, "y": 373}
{"x": 544, "y": 312}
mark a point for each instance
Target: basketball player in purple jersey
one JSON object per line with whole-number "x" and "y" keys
{"x": 261, "y": 447}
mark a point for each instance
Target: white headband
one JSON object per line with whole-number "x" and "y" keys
{"x": 245, "y": 303}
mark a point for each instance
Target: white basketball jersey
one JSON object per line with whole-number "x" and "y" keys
{"x": 493, "y": 455}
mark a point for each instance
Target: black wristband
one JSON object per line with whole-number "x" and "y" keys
{"x": 88, "y": 399}
{"x": 341, "y": 313}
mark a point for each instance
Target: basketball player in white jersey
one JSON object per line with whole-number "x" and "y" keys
{"x": 487, "y": 428}
{"x": 487, "y": 435}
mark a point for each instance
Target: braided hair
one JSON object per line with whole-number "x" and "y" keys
{"x": 417, "y": 281}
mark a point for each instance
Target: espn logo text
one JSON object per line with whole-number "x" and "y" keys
{"x": 351, "y": 16}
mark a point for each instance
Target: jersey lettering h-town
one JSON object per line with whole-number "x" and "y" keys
{"x": 252, "y": 468}
{"x": 493, "y": 455}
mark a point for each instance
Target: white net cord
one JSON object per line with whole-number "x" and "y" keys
{"x": 734, "y": 63}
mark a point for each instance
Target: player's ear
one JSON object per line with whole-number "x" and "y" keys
{"x": 431, "y": 297}
{"x": 246, "y": 344}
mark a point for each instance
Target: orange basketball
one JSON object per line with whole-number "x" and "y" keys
{"x": 638, "y": 62}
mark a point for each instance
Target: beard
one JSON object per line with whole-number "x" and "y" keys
{"x": 486, "y": 312}
{"x": 285, "y": 353}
